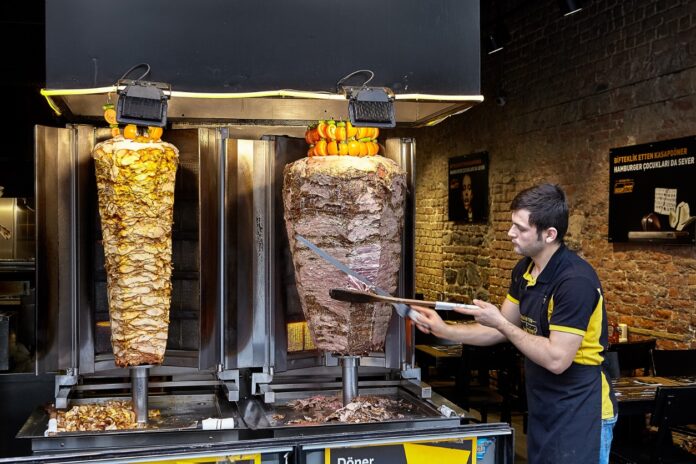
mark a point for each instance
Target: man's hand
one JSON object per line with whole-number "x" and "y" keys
{"x": 430, "y": 322}
{"x": 487, "y": 315}
{"x": 471, "y": 334}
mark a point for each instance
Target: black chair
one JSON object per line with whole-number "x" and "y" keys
{"x": 634, "y": 356}
{"x": 674, "y": 408}
{"x": 674, "y": 363}
{"x": 611, "y": 363}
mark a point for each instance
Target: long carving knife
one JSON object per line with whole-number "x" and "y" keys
{"x": 401, "y": 309}
{"x": 360, "y": 296}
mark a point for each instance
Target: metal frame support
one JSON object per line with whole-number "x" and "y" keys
{"x": 230, "y": 384}
{"x": 64, "y": 384}
{"x": 260, "y": 382}
{"x": 417, "y": 387}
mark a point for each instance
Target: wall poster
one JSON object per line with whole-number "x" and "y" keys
{"x": 468, "y": 188}
{"x": 652, "y": 192}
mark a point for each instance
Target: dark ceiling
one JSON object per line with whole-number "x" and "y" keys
{"x": 22, "y": 75}
{"x": 21, "y": 79}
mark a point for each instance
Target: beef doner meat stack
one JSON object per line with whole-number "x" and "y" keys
{"x": 135, "y": 181}
{"x": 352, "y": 207}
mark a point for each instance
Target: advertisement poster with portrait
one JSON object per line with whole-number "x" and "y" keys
{"x": 468, "y": 188}
{"x": 652, "y": 192}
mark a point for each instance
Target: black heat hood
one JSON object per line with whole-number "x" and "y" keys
{"x": 274, "y": 62}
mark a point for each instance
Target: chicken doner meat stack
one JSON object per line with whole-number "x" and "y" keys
{"x": 135, "y": 182}
{"x": 352, "y": 207}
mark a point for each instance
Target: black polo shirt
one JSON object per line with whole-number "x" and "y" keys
{"x": 565, "y": 410}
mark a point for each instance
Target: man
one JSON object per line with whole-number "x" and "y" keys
{"x": 554, "y": 314}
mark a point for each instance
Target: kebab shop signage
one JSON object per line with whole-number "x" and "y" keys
{"x": 458, "y": 451}
{"x": 652, "y": 192}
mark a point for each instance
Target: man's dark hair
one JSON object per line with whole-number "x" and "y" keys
{"x": 547, "y": 207}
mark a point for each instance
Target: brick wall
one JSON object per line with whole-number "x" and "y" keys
{"x": 618, "y": 73}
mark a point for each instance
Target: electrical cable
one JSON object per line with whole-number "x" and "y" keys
{"x": 339, "y": 84}
{"x": 133, "y": 68}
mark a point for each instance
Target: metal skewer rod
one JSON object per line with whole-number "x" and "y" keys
{"x": 349, "y": 367}
{"x": 139, "y": 378}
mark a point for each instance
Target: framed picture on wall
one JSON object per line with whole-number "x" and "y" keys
{"x": 652, "y": 192}
{"x": 468, "y": 188}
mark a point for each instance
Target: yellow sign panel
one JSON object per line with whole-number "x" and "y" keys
{"x": 427, "y": 454}
{"x": 457, "y": 451}
{"x": 222, "y": 459}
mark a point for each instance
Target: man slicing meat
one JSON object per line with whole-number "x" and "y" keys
{"x": 554, "y": 314}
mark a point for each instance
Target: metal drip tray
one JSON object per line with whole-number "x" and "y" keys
{"x": 412, "y": 413}
{"x": 180, "y": 421}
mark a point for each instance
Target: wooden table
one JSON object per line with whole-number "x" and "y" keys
{"x": 636, "y": 398}
{"x": 636, "y": 395}
{"x": 438, "y": 358}
{"x": 441, "y": 351}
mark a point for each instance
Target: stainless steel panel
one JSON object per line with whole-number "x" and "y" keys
{"x": 251, "y": 241}
{"x": 192, "y": 268}
{"x": 212, "y": 153}
{"x": 240, "y": 241}
{"x": 54, "y": 201}
{"x": 258, "y": 249}
{"x": 501, "y": 451}
{"x": 263, "y": 243}
{"x": 407, "y": 277}
{"x": 272, "y": 110}
{"x": 286, "y": 306}
{"x": 230, "y": 273}
{"x": 83, "y": 220}
{"x": 400, "y": 343}
{"x": 65, "y": 204}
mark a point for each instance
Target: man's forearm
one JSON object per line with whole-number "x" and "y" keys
{"x": 474, "y": 334}
{"x": 556, "y": 357}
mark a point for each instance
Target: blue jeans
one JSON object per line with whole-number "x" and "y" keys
{"x": 607, "y": 435}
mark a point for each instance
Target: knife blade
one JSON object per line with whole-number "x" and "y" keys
{"x": 401, "y": 309}
{"x": 360, "y": 296}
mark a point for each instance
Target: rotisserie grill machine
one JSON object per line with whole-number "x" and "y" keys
{"x": 240, "y": 371}
{"x": 233, "y": 300}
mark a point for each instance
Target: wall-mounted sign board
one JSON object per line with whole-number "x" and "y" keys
{"x": 652, "y": 192}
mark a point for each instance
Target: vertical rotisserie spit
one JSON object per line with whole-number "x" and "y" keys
{"x": 352, "y": 207}
{"x": 135, "y": 183}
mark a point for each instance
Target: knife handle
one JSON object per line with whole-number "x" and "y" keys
{"x": 447, "y": 306}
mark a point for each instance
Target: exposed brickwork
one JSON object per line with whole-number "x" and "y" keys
{"x": 616, "y": 74}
